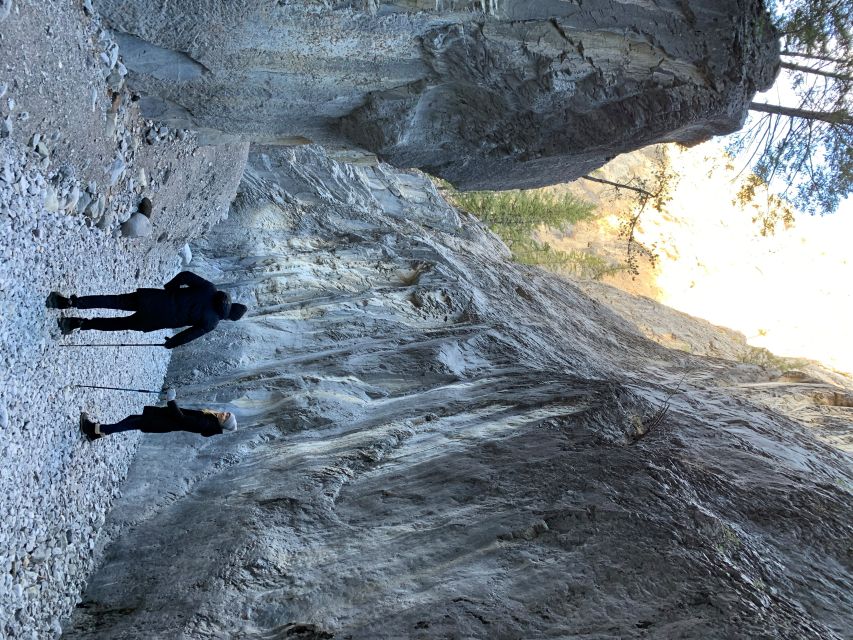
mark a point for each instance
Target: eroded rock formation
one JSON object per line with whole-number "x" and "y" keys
{"x": 491, "y": 94}
{"x": 439, "y": 442}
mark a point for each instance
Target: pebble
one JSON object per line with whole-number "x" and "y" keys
{"x": 6, "y": 127}
{"x": 3, "y": 89}
{"x": 5, "y": 9}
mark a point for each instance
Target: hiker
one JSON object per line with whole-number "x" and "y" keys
{"x": 186, "y": 300}
{"x": 164, "y": 420}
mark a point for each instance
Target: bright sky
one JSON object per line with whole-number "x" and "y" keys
{"x": 791, "y": 293}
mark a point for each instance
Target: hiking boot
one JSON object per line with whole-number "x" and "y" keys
{"x": 92, "y": 430}
{"x": 57, "y": 301}
{"x": 69, "y": 325}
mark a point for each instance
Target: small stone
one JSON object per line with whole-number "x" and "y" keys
{"x": 113, "y": 52}
{"x": 122, "y": 69}
{"x": 6, "y": 127}
{"x": 186, "y": 255}
{"x": 94, "y": 98}
{"x": 6, "y": 174}
{"x": 116, "y": 170}
{"x": 163, "y": 131}
{"x": 111, "y": 123}
{"x": 106, "y": 221}
{"x": 24, "y": 116}
{"x": 51, "y": 201}
{"x": 145, "y": 207}
{"x": 141, "y": 178}
{"x": 87, "y": 7}
{"x": 3, "y": 88}
{"x": 115, "y": 80}
{"x": 137, "y": 226}
{"x": 4, "y": 417}
{"x": 34, "y": 141}
{"x": 84, "y": 202}
{"x": 11, "y": 104}
{"x": 5, "y": 9}
{"x": 72, "y": 199}
{"x": 105, "y": 58}
{"x": 42, "y": 150}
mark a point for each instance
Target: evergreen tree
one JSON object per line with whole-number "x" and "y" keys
{"x": 807, "y": 146}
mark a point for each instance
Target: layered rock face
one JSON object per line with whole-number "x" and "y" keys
{"x": 438, "y": 442}
{"x": 492, "y": 94}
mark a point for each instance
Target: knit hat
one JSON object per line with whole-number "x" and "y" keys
{"x": 237, "y": 311}
{"x": 223, "y": 303}
{"x": 230, "y": 423}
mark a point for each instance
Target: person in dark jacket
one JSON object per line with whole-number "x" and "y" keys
{"x": 164, "y": 420}
{"x": 187, "y": 300}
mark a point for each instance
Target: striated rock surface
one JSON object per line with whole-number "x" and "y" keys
{"x": 438, "y": 442}
{"x": 490, "y": 94}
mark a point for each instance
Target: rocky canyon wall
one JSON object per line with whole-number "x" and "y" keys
{"x": 438, "y": 442}
{"x": 492, "y": 94}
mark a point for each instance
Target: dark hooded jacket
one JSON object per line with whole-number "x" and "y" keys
{"x": 186, "y": 300}
{"x": 173, "y": 418}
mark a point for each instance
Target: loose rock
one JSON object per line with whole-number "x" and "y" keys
{"x": 145, "y": 207}
{"x": 116, "y": 170}
{"x": 137, "y": 226}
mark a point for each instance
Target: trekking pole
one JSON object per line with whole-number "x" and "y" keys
{"x": 128, "y": 344}
{"x": 93, "y": 386}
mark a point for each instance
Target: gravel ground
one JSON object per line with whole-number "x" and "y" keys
{"x": 75, "y": 162}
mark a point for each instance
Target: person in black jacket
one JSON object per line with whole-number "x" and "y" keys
{"x": 186, "y": 300}
{"x": 164, "y": 420}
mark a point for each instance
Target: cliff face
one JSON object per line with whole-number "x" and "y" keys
{"x": 490, "y": 95}
{"x": 438, "y": 442}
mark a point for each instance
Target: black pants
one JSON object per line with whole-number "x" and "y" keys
{"x": 150, "y": 424}
{"x": 130, "y": 423}
{"x": 121, "y": 302}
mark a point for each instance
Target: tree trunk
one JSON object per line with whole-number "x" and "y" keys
{"x": 819, "y": 72}
{"x": 814, "y": 56}
{"x": 831, "y": 117}
{"x": 619, "y": 185}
